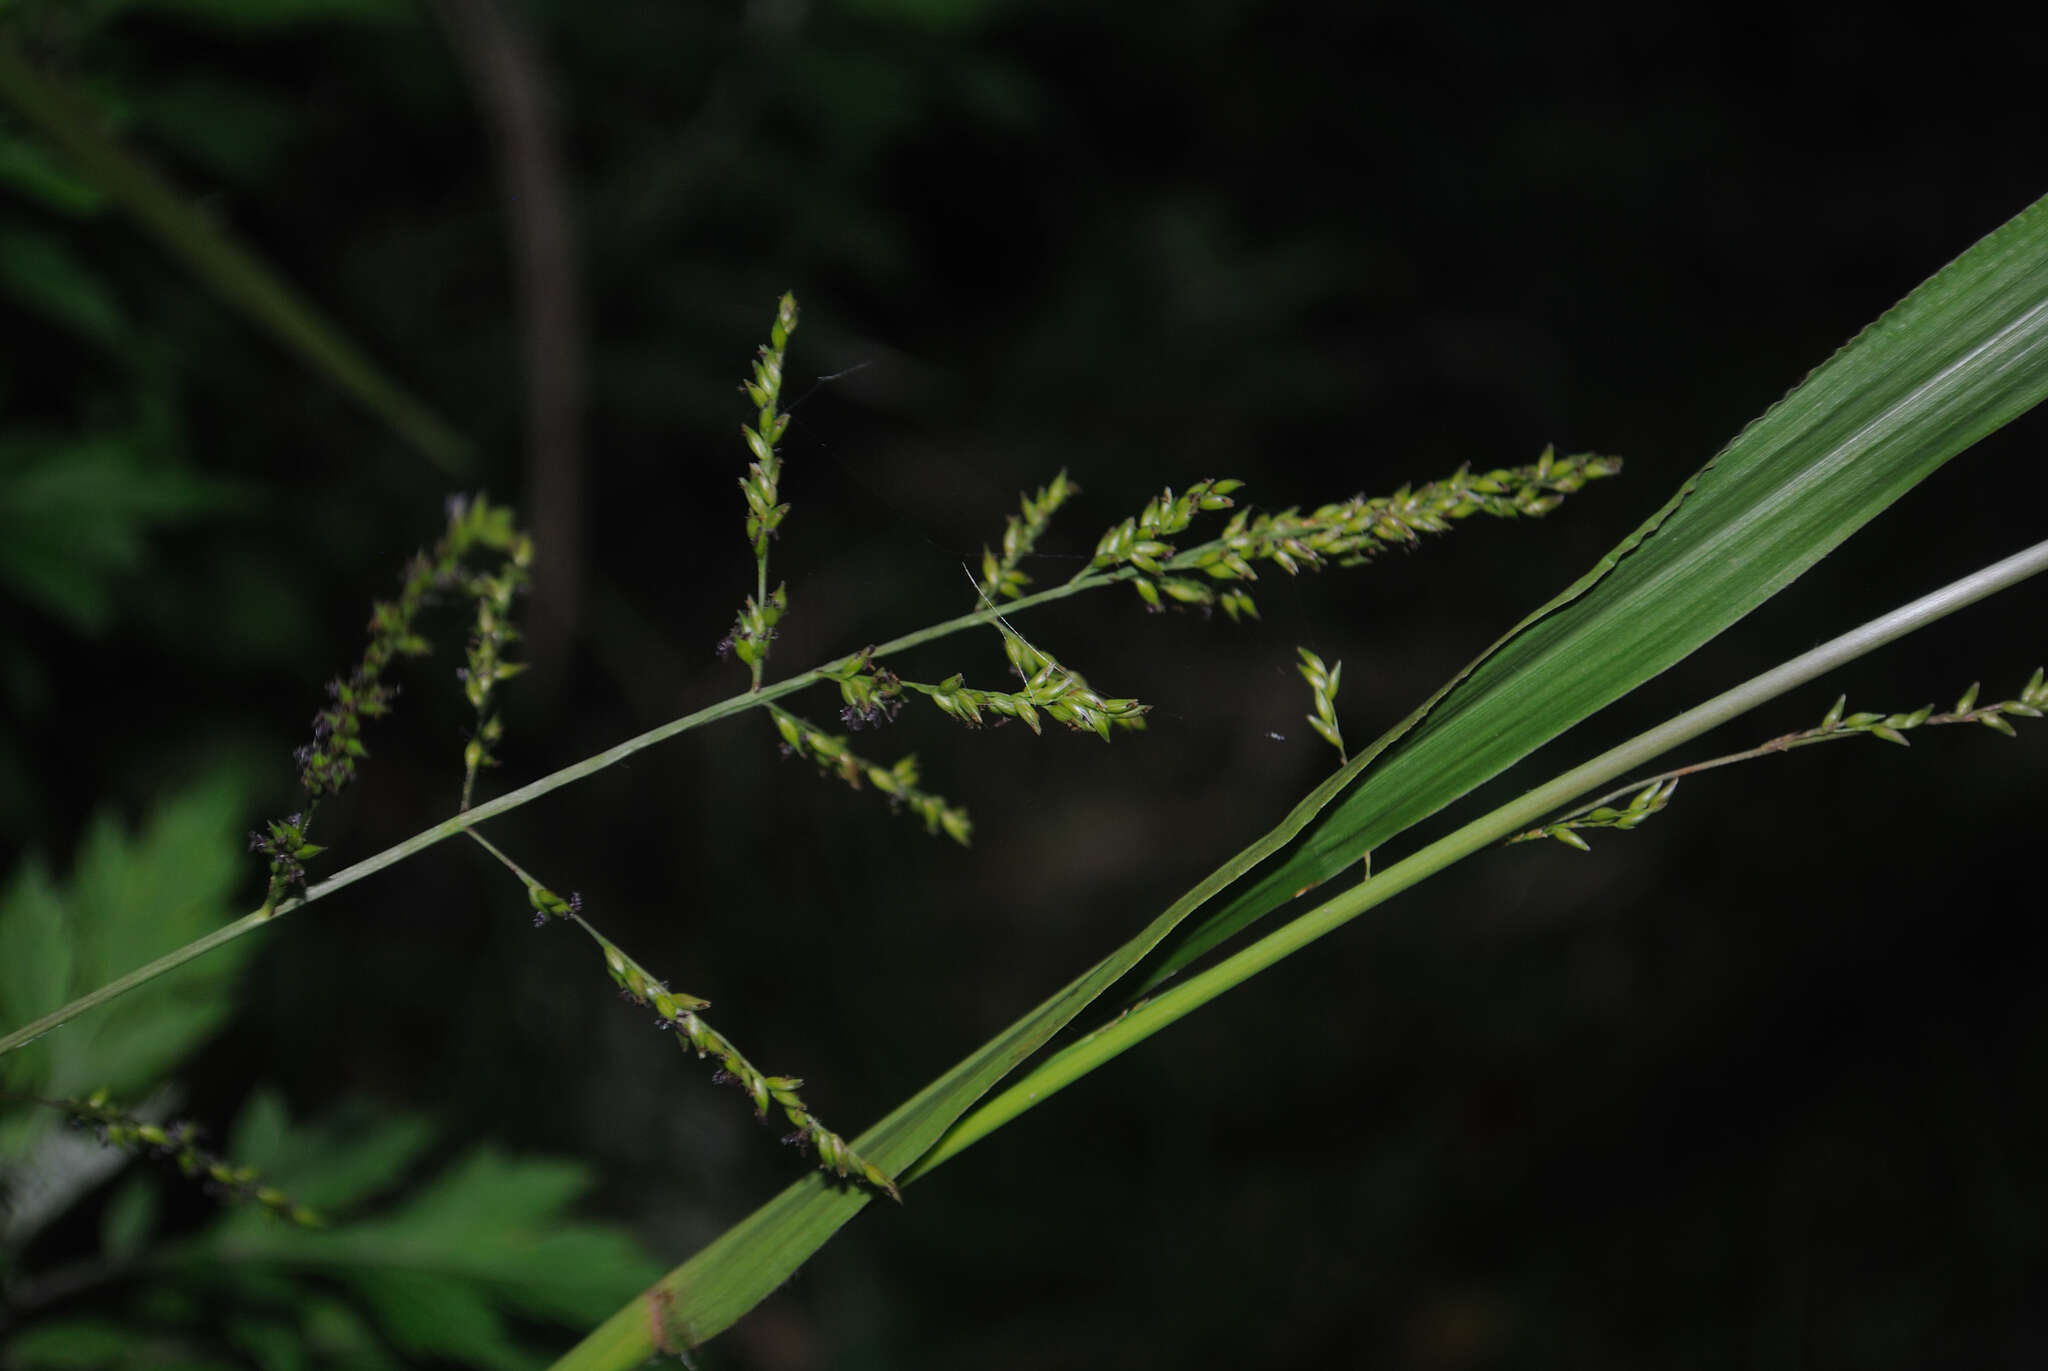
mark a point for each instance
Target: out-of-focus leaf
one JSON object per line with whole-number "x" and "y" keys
{"x": 351, "y": 1158}
{"x": 273, "y": 1345}
{"x": 35, "y": 958}
{"x": 231, "y": 130}
{"x": 338, "y": 1336}
{"x": 426, "y": 1315}
{"x": 27, "y": 169}
{"x": 44, "y": 276}
{"x": 259, "y": 1135}
{"x": 133, "y": 897}
{"x": 261, "y": 15}
{"x": 449, "y": 1272}
{"x": 501, "y": 1221}
{"x": 75, "y": 516}
{"x": 130, "y": 1218}
{"x": 928, "y": 14}
{"x": 72, "y": 1342}
{"x": 74, "y": 124}
{"x": 96, "y": 1345}
{"x": 45, "y": 1169}
{"x": 148, "y": 1045}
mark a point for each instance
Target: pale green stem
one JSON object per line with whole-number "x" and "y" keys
{"x": 1790, "y": 742}
{"x": 526, "y": 878}
{"x": 233, "y": 273}
{"x": 509, "y": 801}
{"x": 761, "y": 599}
{"x": 1144, "y": 1019}
{"x": 533, "y": 790}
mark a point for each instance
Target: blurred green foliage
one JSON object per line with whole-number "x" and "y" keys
{"x": 76, "y": 516}
{"x": 132, "y": 897}
{"x": 444, "y": 1260}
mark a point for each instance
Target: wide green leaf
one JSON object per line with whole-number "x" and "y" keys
{"x": 1962, "y": 355}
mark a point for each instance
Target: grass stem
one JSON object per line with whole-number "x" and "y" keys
{"x": 507, "y": 802}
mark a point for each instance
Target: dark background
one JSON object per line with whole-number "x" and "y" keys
{"x": 1755, "y": 1085}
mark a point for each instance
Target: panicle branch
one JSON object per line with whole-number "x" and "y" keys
{"x": 1051, "y": 690}
{"x": 681, "y": 1012}
{"x": 753, "y": 631}
{"x": 1349, "y": 533}
{"x": 178, "y": 1143}
{"x": 832, "y": 756}
{"x": 328, "y": 762}
{"x": 1002, "y": 576}
{"x": 493, "y": 634}
{"x": 1324, "y": 682}
{"x": 1650, "y": 794}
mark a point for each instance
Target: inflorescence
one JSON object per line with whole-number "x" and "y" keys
{"x": 486, "y": 666}
{"x": 1050, "y": 688}
{"x": 1324, "y": 681}
{"x": 1349, "y": 533}
{"x": 1138, "y": 549}
{"x": 682, "y": 1013}
{"x": 178, "y": 1143}
{"x": 1650, "y": 795}
{"x": 754, "y": 630}
{"x": 899, "y": 782}
{"x": 328, "y": 762}
{"x": 1004, "y": 576}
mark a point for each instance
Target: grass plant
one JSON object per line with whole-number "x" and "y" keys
{"x": 1962, "y": 355}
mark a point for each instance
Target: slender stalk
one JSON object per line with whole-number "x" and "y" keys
{"x": 1833, "y": 730}
{"x": 512, "y": 800}
{"x": 1144, "y": 1019}
{"x": 533, "y": 790}
{"x": 121, "y": 985}
{"x": 761, "y": 597}
{"x": 230, "y": 269}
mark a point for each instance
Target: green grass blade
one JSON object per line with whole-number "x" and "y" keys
{"x": 1962, "y": 355}
{"x": 228, "y": 268}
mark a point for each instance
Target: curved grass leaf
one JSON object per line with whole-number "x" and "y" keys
{"x": 1965, "y": 353}
{"x": 1962, "y": 355}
